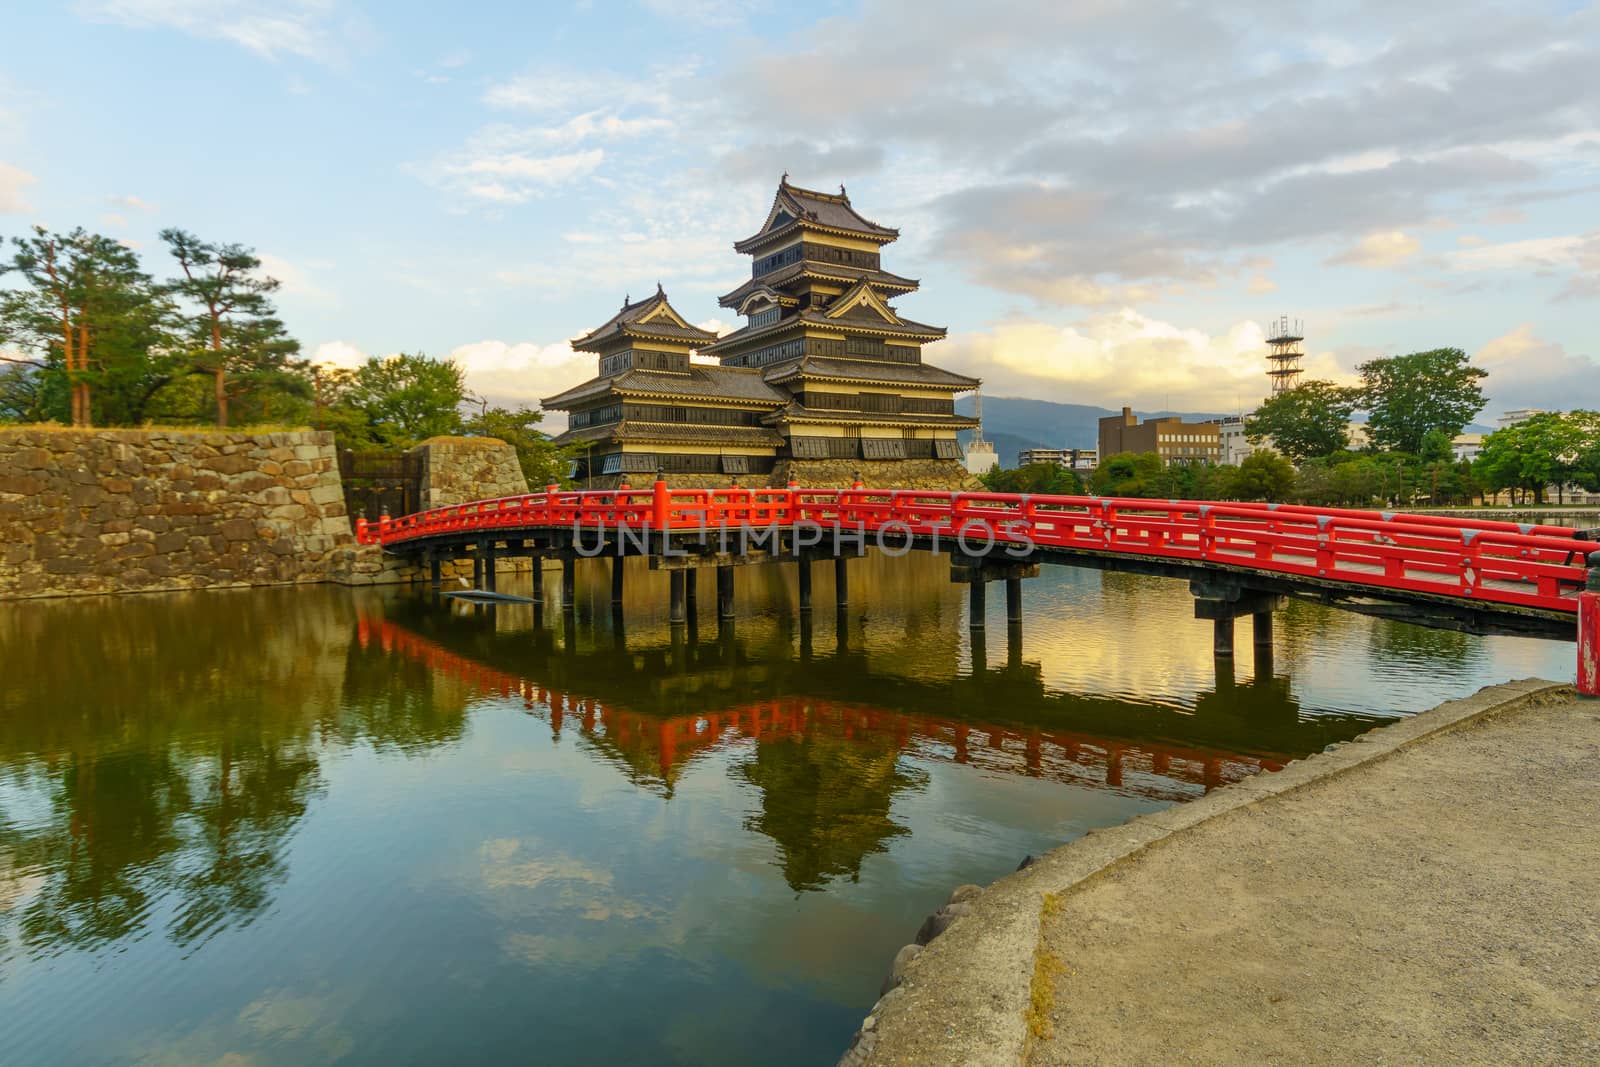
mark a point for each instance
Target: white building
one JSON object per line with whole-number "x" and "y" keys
{"x": 980, "y": 457}
{"x": 1511, "y": 418}
{"x": 1466, "y": 446}
{"x": 1235, "y": 445}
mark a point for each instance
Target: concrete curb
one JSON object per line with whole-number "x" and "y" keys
{"x": 964, "y": 999}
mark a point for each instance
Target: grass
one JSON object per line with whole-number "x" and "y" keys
{"x": 1042, "y": 991}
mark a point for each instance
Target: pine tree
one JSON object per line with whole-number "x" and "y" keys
{"x": 236, "y": 336}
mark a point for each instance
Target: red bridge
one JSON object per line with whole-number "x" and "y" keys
{"x": 1240, "y": 558}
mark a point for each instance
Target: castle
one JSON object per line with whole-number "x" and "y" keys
{"x": 825, "y": 380}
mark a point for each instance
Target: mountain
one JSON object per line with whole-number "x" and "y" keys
{"x": 1013, "y": 423}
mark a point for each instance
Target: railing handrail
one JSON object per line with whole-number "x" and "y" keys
{"x": 1391, "y": 549}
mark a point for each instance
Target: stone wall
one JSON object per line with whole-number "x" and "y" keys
{"x": 107, "y": 511}
{"x": 943, "y": 474}
{"x": 458, "y": 470}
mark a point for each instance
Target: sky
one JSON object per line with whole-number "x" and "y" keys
{"x": 1106, "y": 203}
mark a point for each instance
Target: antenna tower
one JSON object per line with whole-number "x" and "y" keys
{"x": 1284, "y": 353}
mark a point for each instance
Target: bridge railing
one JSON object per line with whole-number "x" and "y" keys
{"x": 1503, "y": 562}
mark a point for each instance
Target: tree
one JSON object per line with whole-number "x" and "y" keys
{"x": 234, "y": 331}
{"x": 1406, "y": 396}
{"x": 397, "y": 401}
{"x": 89, "y": 315}
{"x": 542, "y": 462}
{"x": 1309, "y": 420}
{"x": 1263, "y": 476}
{"x": 1050, "y": 478}
{"x": 1550, "y": 448}
{"x": 1129, "y": 474}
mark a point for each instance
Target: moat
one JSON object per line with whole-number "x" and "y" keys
{"x": 316, "y": 825}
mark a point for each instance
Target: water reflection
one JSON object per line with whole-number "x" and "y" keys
{"x": 291, "y": 825}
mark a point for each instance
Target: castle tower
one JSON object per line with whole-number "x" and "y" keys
{"x": 1284, "y": 353}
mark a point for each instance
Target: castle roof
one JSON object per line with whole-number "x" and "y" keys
{"x": 652, "y": 318}
{"x": 795, "y": 209}
{"x": 733, "y": 384}
{"x": 829, "y": 272}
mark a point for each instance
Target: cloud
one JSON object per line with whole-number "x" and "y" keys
{"x": 1102, "y": 153}
{"x": 340, "y": 354}
{"x": 510, "y": 177}
{"x": 131, "y": 203}
{"x": 1378, "y": 251}
{"x": 296, "y": 281}
{"x": 707, "y": 12}
{"x": 309, "y": 29}
{"x": 1123, "y": 357}
{"x": 1260, "y": 284}
{"x": 1526, "y": 371}
{"x": 523, "y": 372}
{"x": 12, "y": 182}
{"x": 806, "y": 162}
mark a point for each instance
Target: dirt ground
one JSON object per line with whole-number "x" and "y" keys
{"x": 1441, "y": 905}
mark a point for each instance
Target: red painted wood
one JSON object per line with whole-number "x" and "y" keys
{"x": 1534, "y": 566}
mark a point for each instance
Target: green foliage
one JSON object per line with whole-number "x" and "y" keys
{"x": 396, "y": 402}
{"x": 1262, "y": 476}
{"x": 1050, "y": 478}
{"x": 1407, "y": 396}
{"x": 232, "y": 333}
{"x": 1309, "y": 420}
{"x": 1128, "y": 474}
{"x": 1551, "y": 448}
{"x": 542, "y": 462}
{"x": 96, "y": 331}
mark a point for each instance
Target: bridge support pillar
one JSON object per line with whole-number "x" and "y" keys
{"x": 691, "y": 586}
{"x": 1261, "y": 625}
{"x": 486, "y": 550}
{"x": 1222, "y": 639}
{"x": 538, "y": 579}
{"x": 724, "y": 593}
{"x": 977, "y": 572}
{"x": 805, "y": 586}
{"x": 676, "y": 613}
{"x": 1223, "y": 605}
{"x": 616, "y": 581}
{"x": 435, "y": 571}
{"x": 841, "y": 581}
{"x": 477, "y": 570}
{"x": 569, "y": 583}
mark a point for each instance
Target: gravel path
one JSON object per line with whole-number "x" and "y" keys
{"x": 1440, "y": 905}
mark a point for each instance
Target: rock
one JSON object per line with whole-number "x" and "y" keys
{"x": 940, "y": 921}
{"x": 1027, "y": 861}
{"x": 897, "y": 969}
{"x": 963, "y": 893}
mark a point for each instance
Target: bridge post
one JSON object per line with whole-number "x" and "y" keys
{"x": 1014, "y": 601}
{"x": 538, "y": 579}
{"x": 435, "y": 571}
{"x": 805, "y": 586}
{"x": 569, "y": 583}
{"x": 724, "y": 593}
{"x": 976, "y": 606}
{"x": 1261, "y": 623}
{"x": 691, "y": 583}
{"x": 1222, "y": 639}
{"x": 1589, "y": 632}
{"x": 841, "y": 581}
{"x": 487, "y": 551}
{"x": 616, "y": 580}
{"x": 477, "y": 570}
{"x": 675, "y": 608}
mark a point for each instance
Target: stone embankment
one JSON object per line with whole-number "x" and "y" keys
{"x": 87, "y": 512}
{"x": 105, "y": 511}
{"x": 1424, "y": 894}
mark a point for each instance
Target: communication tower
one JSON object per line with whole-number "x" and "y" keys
{"x": 1284, "y": 353}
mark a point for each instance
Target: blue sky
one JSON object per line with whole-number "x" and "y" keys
{"x": 1104, "y": 202}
